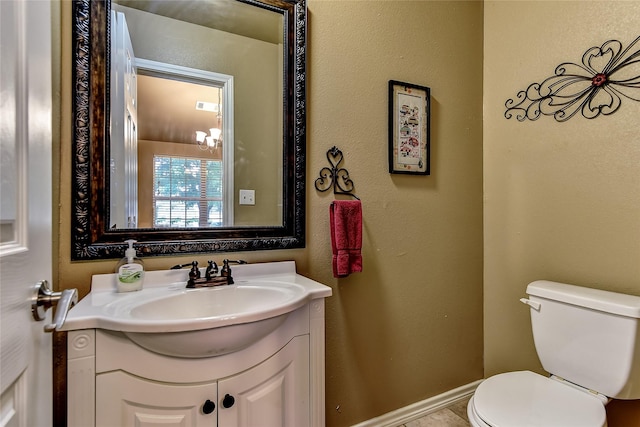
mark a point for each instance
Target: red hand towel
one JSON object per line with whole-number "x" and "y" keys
{"x": 346, "y": 236}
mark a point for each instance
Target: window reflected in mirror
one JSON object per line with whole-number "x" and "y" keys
{"x": 187, "y": 192}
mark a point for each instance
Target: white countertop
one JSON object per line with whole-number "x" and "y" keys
{"x": 105, "y": 308}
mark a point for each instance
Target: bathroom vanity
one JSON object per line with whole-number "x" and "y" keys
{"x": 217, "y": 358}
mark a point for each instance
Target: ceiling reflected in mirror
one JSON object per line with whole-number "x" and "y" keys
{"x": 230, "y": 16}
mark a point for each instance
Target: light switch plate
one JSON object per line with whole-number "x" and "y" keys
{"x": 247, "y": 197}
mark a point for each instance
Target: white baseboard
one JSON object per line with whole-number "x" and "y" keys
{"x": 422, "y": 408}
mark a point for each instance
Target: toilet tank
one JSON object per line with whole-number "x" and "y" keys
{"x": 588, "y": 336}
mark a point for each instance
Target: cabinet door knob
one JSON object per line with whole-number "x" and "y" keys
{"x": 208, "y": 407}
{"x": 228, "y": 401}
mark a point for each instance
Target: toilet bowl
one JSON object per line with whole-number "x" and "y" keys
{"x": 587, "y": 340}
{"x": 525, "y": 398}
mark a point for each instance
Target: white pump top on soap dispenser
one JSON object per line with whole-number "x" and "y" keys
{"x": 130, "y": 253}
{"x": 130, "y": 270}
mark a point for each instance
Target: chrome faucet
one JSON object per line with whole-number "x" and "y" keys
{"x": 210, "y": 279}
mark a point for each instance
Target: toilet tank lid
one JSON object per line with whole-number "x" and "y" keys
{"x": 597, "y": 299}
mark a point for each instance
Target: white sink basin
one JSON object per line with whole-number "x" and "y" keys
{"x": 169, "y": 319}
{"x": 219, "y": 304}
{"x": 221, "y": 301}
{"x": 206, "y": 342}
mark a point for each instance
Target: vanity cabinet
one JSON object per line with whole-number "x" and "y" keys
{"x": 269, "y": 394}
{"x": 277, "y": 381}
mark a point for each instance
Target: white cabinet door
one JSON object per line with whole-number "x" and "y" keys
{"x": 274, "y": 393}
{"x": 124, "y": 400}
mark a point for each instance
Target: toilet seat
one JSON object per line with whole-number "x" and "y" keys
{"x": 528, "y": 399}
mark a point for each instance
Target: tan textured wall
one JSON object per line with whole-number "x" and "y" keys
{"x": 561, "y": 199}
{"x": 410, "y": 326}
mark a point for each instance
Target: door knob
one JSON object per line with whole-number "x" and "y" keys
{"x": 44, "y": 298}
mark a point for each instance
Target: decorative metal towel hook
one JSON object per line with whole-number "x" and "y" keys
{"x": 335, "y": 177}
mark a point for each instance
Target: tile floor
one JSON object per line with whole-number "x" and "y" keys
{"x": 454, "y": 415}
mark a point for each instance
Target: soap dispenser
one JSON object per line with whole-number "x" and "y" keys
{"x": 130, "y": 270}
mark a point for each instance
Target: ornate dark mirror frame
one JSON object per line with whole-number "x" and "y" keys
{"x": 91, "y": 237}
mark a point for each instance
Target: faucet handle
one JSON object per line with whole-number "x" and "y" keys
{"x": 179, "y": 266}
{"x": 226, "y": 270}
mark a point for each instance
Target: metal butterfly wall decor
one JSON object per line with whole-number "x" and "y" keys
{"x": 607, "y": 74}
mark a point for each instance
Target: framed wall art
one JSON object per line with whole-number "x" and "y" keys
{"x": 409, "y": 128}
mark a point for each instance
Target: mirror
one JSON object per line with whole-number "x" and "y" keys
{"x": 250, "y": 188}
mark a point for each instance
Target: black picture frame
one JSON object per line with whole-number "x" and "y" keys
{"x": 409, "y": 128}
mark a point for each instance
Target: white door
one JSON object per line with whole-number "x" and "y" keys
{"x": 124, "y": 125}
{"x": 25, "y": 209}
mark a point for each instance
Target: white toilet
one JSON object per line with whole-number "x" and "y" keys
{"x": 588, "y": 340}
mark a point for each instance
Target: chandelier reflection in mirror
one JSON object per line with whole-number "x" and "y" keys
{"x": 607, "y": 74}
{"x": 210, "y": 142}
